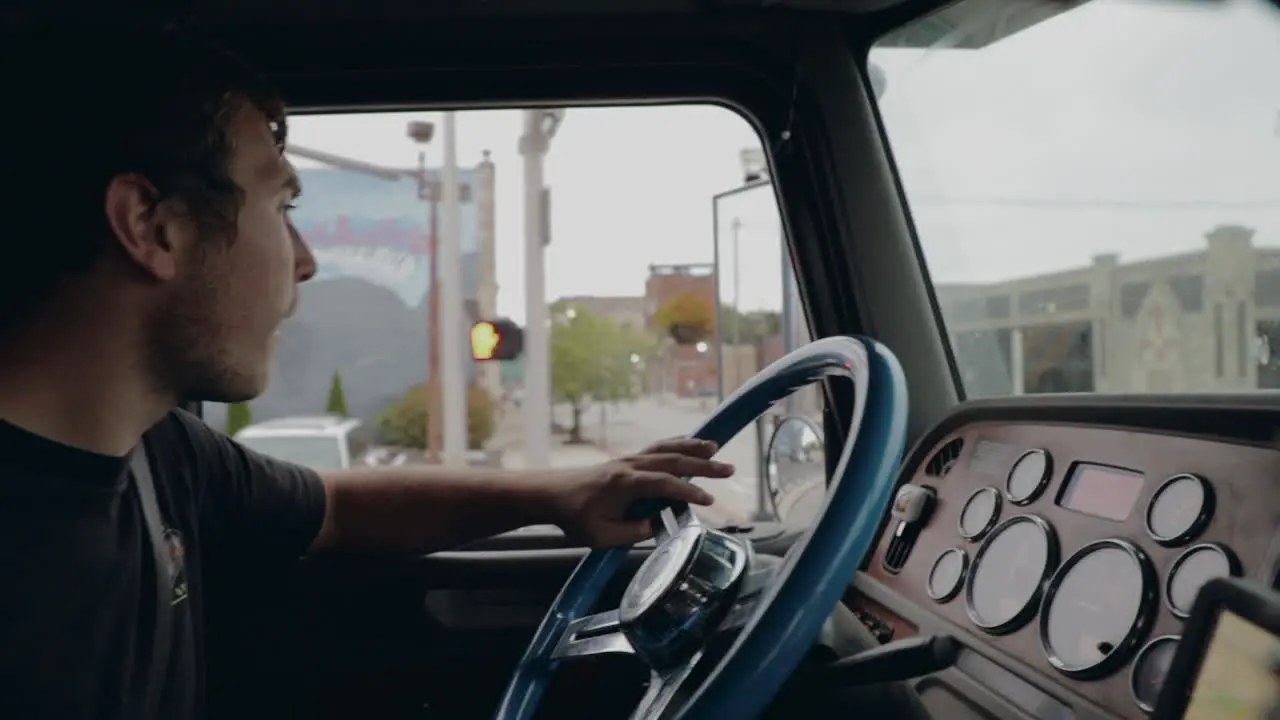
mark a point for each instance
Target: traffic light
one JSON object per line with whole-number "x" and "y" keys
{"x": 496, "y": 340}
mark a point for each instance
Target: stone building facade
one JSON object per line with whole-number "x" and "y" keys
{"x": 1197, "y": 322}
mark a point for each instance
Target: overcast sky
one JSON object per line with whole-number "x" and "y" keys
{"x": 1126, "y": 127}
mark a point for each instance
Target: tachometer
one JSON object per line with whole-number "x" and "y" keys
{"x": 1098, "y": 608}
{"x": 1008, "y": 573}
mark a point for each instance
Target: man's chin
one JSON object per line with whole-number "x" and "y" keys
{"x": 233, "y": 388}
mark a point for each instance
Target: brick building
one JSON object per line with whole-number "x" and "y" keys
{"x": 681, "y": 369}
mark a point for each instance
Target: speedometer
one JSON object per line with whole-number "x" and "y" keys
{"x": 1009, "y": 572}
{"x": 1098, "y": 608}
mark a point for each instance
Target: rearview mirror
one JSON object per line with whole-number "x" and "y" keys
{"x": 796, "y": 471}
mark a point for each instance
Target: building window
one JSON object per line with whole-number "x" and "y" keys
{"x": 1131, "y": 296}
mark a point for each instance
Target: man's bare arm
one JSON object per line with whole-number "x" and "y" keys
{"x": 425, "y": 509}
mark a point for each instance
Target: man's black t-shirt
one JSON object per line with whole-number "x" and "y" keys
{"x": 77, "y": 572}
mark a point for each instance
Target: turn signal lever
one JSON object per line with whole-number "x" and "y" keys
{"x": 899, "y": 660}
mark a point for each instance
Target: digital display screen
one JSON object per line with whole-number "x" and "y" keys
{"x": 1239, "y": 676}
{"x": 1101, "y": 491}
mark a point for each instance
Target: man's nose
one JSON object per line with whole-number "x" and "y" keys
{"x": 303, "y": 259}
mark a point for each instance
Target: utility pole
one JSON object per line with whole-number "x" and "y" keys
{"x": 540, "y": 126}
{"x": 452, "y": 338}
{"x": 422, "y": 132}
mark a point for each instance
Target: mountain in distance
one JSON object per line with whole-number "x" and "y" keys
{"x": 360, "y": 329}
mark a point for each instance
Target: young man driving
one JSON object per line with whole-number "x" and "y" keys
{"x": 151, "y": 260}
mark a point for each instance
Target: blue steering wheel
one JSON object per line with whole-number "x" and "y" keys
{"x": 700, "y": 586}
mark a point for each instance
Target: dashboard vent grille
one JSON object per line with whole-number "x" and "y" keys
{"x": 940, "y": 464}
{"x": 895, "y": 557}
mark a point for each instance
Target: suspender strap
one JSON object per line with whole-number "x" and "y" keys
{"x": 144, "y": 486}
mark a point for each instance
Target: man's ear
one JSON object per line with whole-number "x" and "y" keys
{"x": 142, "y": 225}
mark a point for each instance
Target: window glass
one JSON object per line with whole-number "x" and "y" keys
{"x": 637, "y": 213}
{"x": 319, "y": 453}
{"x": 1096, "y": 190}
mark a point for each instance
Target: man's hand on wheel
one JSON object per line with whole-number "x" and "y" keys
{"x": 591, "y": 505}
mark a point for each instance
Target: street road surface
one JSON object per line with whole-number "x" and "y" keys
{"x": 629, "y": 429}
{"x": 632, "y": 426}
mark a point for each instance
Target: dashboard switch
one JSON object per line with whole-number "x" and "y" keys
{"x": 912, "y": 507}
{"x": 912, "y": 502}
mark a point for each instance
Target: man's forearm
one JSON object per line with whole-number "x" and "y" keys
{"x": 425, "y": 509}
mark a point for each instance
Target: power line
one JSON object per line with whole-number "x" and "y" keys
{"x": 1096, "y": 203}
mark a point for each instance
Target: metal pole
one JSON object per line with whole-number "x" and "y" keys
{"x": 434, "y": 450}
{"x": 737, "y": 286}
{"x": 453, "y": 378}
{"x": 537, "y": 367}
{"x": 788, "y": 308}
{"x": 763, "y": 512}
{"x": 737, "y": 305}
{"x": 715, "y": 274}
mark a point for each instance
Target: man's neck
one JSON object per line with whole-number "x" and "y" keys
{"x": 80, "y": 382}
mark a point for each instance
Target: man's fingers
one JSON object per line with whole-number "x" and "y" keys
{"x": 650, "y": 484}
{"x": 682, "y": 465}
{"x": 682, "y": 446}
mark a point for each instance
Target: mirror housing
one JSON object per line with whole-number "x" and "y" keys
{"x": 795, "y": 461}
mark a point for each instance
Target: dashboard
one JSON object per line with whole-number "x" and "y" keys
{"x": 1063, "y": 546}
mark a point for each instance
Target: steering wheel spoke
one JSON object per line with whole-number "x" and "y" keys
{"x": 671, "y": 520}
{"x": 664, "y": 687}
{"x": 599, "y": 634}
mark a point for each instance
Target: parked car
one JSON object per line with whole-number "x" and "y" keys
{"x": 320, "y": 442}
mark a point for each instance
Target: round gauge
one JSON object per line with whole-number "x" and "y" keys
{"x": 1179, "y": 509}
{"x": 1008, "y": 574}
{"x": 1098, "y": 608}
{"x": 1150, "y": 669}
{"x": 1028, "y": 476}
{"x": 946, "y": 577}
{"x": 979, "y": 513}
{"x": 1196, "y": 566}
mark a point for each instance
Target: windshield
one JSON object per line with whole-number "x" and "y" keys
{"x": 1096, "y": 191}
{"x": 317, "y": 453}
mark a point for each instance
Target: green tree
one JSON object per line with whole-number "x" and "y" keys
{"x": 337, "y": 404}
{"x": 239, "y": 416}
{"x": 688, "y": 317}
{"x": 592, "y": 360}
{"x": 403, "y": 423}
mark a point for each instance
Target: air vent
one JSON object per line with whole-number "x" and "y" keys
{"x": 940, "y": 464}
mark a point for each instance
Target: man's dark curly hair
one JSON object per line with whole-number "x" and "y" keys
{"x": 84, "y": 108}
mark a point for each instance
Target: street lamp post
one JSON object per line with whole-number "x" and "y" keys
{"x": 540, "y": 126}
{"x": 422, "y": 132}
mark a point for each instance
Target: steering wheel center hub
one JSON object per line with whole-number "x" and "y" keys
{"x": 681, "y": 593}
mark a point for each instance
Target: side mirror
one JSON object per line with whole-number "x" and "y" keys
{"x": 795, "y": 477}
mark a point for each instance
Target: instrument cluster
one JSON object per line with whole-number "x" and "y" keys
{"x": 1077, "y": 550}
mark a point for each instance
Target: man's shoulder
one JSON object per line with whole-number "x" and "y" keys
{"x": 183, "y": 433}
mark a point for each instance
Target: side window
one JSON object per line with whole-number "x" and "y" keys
{"x": 666, "y": 285}
{"x": 357, "y": 444}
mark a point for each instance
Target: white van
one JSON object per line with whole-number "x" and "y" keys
{"x": 320, "y": 442}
